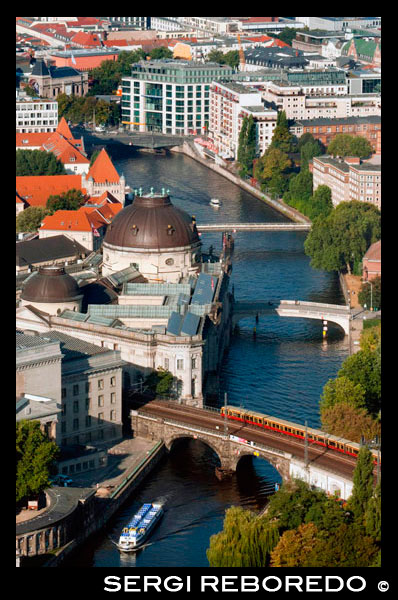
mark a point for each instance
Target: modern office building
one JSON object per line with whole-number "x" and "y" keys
{"x": 170, "y": 96}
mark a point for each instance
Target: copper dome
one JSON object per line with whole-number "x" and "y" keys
{"x": 51, "y": 284}
{"x": 152, "y": 222}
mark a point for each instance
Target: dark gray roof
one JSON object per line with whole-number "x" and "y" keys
{"x": 40, "y": 69}
{"x": 46, "y": 249}
{"x": 73, "y": 347}
{"x": 60, "y": 72}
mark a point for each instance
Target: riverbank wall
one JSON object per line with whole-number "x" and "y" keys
{"x": 105, "y": 508}
{"x": 190, "y": 149}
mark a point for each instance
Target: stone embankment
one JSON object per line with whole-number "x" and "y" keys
{"x": 189, "y": 148}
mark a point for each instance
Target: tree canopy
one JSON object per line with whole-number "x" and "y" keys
{"x": 38, "y": 162}
{"x": 370, "y": 292}
{"x": 30, "y": 219}
{"x": 71, "y": 200}
{"x": 282, "y": 138}
{"x": 339, "y": 241}
{"x": 247, "y": 146}
{"x": 35, "y": 455}
{"x": 271, "y": 164}
{"x": 350, "y": 145}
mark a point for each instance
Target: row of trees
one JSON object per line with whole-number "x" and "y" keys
{"x": 230, "y": 58}
{"x": 303, "y": 527}
{"x": 38, "y": 162}
{"x": 81, "y": 109}
{"x": 351, "y": 404}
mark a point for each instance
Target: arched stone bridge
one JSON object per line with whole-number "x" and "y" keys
{"x": 335, "y": 313}
{"x": 228, "y": 451}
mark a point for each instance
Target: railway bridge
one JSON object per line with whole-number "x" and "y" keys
{"x": 335, "y": 313}
{"x": 231, "y": 441}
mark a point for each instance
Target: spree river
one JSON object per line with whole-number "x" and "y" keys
{"x": 280, "y": 372}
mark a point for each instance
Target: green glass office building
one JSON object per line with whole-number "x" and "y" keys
{"x": 170, "y": 96}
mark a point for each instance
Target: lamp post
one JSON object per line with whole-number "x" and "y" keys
{"x": 371, "y": 294}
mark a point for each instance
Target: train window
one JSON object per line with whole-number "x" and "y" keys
{"x": 332, "y": 443}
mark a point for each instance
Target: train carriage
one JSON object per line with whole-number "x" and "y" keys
{"x": 314, "y": 436}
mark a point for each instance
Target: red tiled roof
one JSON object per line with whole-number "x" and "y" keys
{"x": 374, "y": 252}
{"x": 64, "y": 150}
{"x": 27, "y": 140}
{"x": 86, "y": 39}
{"x": 84, "y": 219}
{"x": 36, "y": 189}
{"x": 110, "y": 43}
{"x": 105, "y": 198}
{"x": 63, "y": 129}
{"x": 103, "y": 171}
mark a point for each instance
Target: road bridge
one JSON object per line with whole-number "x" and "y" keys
{"x": 335, "y": 313}
{"x": 231, "y": 441}
{"x": 234, "y": 227}
{"x": 151, "y": 141}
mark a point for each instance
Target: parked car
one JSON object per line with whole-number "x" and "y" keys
{"x": 61, "y": 480}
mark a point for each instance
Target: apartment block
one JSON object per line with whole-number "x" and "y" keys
{"x": 348, "y": 178}
{"x": 229, "y": 104}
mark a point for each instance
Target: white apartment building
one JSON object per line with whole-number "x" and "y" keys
{"x": 229, "y": 104}
{"x": 316, "y": 101}
{"x": 349, "y": 179}
{"x": 36, "y": 115}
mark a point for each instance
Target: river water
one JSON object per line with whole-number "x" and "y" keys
{"x": 280, "y": 372}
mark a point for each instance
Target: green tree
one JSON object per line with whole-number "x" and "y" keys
{"x": 247, "y": 146}
{"x": 245, "y": 541}
{"x": 347, "y": 547}
{"x": 342, "y": 389}
{"x": 282, "y": 138}
{"x": 35, "y": 455}
{"x": 349, "y": 422}
{"x": 271, "y": 163}
{"x": 232, "y": 59}
{"x": 294, "y": 546}
{"x": 349, "y": 145}
{"x": 363, "y": 485}
{"x": 370, "y": 293}
{"x": 30, "y": 219}
{"x": 216, "y": 56}
{"x": 37, "y": 162}
{"x": 308, "y": 151}
{"x": 373, "y": 514}
{"x": 71, "y": 200}
{"x": 363, "y": 368}
{"x": 161, "y": 53}
{"x": 336, "y": 242}
{"x": 320, "y": 204}
{"x": 371, "y": 338}
{"x": 160, "y": 381}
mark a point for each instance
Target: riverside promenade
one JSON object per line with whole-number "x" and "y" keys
{"x": 74, "y": 513}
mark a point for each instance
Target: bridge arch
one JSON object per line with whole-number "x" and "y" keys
{"x": 170, "y": 441}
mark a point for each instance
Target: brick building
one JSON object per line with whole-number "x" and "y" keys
{"x": 326, "y": 129}
{"x": 371, "y": 262}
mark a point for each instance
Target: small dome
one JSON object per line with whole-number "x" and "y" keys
{"x": 51, "y": 284}
{"x": 152, "y": 222}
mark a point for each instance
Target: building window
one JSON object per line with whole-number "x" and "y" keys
{"x": 100, "y": 384}
{"x": 100, "y": 401}
{"x": 113, "y": 381}
{"x": 100, "y": 417}
{"x": 76, "y": 389}
{"x": 88, "y": 421}
{"x": 194, "y": 362}
{"x": 76, "y": 406}
{"x": 63, "y": 393}
{"x": 75, "y": 424}
{"x": 113, "y": 398}
{"x": 166, "y": 364}
{"x": 180, "y": 364}
{"x": 113, "y": 415}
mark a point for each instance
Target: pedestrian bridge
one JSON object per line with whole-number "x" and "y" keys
{"x": 335, "y": 313}
{"x": 234, "y": 227}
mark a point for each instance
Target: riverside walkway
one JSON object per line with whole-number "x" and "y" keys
{"x": 234, "y": 227}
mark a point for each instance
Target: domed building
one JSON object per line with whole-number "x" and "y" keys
{"x": 158, "y": 239}
{"x": 52, "y": 290}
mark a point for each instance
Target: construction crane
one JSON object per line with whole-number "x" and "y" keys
{"x": 242, "y": 60}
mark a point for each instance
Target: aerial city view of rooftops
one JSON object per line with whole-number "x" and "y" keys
{"x": 198, "y": 291}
